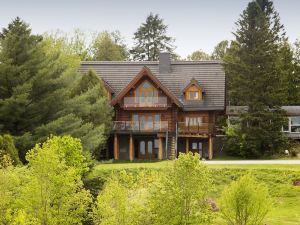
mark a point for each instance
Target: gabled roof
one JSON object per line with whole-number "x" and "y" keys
{"x": 209, "y": 74}
{"x": 192, "y": 82}
{"x": 145, "y": 72}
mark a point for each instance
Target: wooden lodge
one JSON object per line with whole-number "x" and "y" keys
{"x": 162, "y": 108}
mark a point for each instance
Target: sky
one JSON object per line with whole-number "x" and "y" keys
{"x": 195, "y": 24}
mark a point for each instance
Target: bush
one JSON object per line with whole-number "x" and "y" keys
{"x": 245, "y": 202}
{"x": 180, "y": 195}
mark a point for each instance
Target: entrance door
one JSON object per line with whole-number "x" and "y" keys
{"x": 146, "y": 149}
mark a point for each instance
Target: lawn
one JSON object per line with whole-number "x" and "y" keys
{"x": 278, "y": 178}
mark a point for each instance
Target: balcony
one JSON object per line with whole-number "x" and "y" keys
{"x": 142, "y": 102}
{"x": 139, "y": 126}
{"x": 200, "y": 128}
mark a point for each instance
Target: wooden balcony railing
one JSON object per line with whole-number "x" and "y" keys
{"x": 200, "y": 128}
{"x": 139, "y": 126}
{"x": 136, "y": 102}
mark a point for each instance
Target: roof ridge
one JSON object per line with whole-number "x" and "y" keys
{"x": 180, "y": 62}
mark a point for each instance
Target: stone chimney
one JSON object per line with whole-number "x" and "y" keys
{"x": 164, "y": 62}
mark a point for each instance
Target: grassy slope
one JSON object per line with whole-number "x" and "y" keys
{"x": 278, "y": 178}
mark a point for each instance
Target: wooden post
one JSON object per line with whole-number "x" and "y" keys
{"x": 187, "y": 145}
{"x": 116, "y": 147}
{"x": 210, "y": 147}
{"x": 160, "y": 148}
{"x": 131, "y": 148}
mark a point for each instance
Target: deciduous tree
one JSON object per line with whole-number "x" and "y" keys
{"x": 245, "y": 202}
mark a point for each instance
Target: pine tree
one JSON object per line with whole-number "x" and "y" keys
{"x": 36, "y": 83}
{"x": 151, "y": 39}
{"x": 254, "y": 77}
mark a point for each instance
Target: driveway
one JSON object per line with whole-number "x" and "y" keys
{"x": 261, "y": 162}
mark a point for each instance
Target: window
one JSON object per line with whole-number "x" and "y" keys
{"x": 146, "y": 122}
{"x": 193, "y": 95}
{"x": 295, "y": 124}
{"x": 194, "y": 145}
{"x": 156, "y": 141}
{"x": 142, "y": 148}
{"x": 193, "y": 121}
{"x": 146, "y": 94}
{"x": 150, "y": 147}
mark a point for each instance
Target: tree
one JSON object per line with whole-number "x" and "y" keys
{"x": 56, "y": 163}
{"x": 290, "y": 74}
{"x": 245, "y": 202}
{"x": 109, "y": 47}
{"x": 180, "y": 196}
{"x": 254, "y": 77}
{"x": 122, "y": 201}
{"x": 37, "y": 80}
{"x": 49, "y": 190}
{"x": 151, "y": 39}
{"x": 199, "y": 55}
{"x": 8, "y": 152}
{"x": 71, "y": 44}
{"x": 220, "y": 50}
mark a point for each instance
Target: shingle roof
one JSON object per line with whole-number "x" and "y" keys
{"x": 209, "y": 74}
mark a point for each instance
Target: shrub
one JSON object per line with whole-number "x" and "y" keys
{"x": 245, "y": 202}
{"x": 180, "y": 195}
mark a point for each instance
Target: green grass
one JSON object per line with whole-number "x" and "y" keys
{"x": 278, "y": 178}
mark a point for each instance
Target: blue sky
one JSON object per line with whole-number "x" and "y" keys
{"x": 195, "y": 24}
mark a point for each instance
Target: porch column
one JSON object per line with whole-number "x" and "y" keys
{"x": 187, "y": 145}
{"x": 160, "y": 148}
{"x": 210, "y": 147}
{"x": 116, "y": 147}
{"x": 131, "y": 148}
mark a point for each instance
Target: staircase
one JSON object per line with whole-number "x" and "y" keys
{"x": 171, "y": 147}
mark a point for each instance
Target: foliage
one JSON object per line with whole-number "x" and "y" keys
{"x": 123, "y": 199}
{"x": 180, "y": 196}
{"x": 245, "y": 202}
{"x": 49, "y": 190}
{"x": 109, "y": 47}
{"x": 36, "y": 98}
{"x": 72, "y": 45}
{"x": 220, "y": 50}
{"x": 8, "y": 152}
{"x": 199, "y": 55}
{"x": 290, "y": 74}
{"x": 251, "y": 65}
{"x": 151, "y": 39}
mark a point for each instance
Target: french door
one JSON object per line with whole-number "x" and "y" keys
{"x": 146, "y": 122}
{"x": 148, "y": 149}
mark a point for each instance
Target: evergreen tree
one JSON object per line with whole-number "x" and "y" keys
{"x": 36, "y": 100}
{"x": 290, "y": 75}
{"x": 255, "y": 77}
{"x": 151, "y": 39}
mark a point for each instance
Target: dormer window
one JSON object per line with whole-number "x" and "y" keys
{"x": 193, "y": 91}
{"x": 193, "y": 95}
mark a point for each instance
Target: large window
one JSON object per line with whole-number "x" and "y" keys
{"x": 146, "y": 93}
{"x": 146, "y": 121}
{"x": 293, "y": 125}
